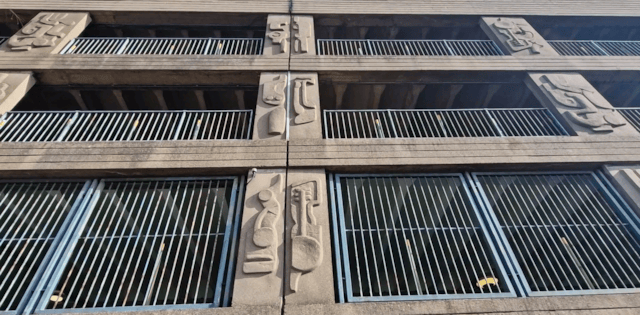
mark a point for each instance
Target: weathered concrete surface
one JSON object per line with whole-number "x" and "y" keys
{"x": 258, "y": 281}
{"x": 623, "y": 304}
{"x": 46, "y": 33}
{"x": 627, "y": 181}
{"x": 309, "y": 267}
{"x": 277, "y": 39}
{"x": 13, "y": 87}
{"x": 515, "y": 36}
{"x": 261, "y": 6}
{"x": 303, "y": 35}
{"x": 270, "y": 119}
{"x": 578, "y": 105}
{"x": 235, "y": 310}
{"x": 305, "y": 115}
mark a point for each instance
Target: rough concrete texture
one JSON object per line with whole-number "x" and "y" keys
{"x": 303, "y": 35}
{"x": 515, "y": 36}
{"x": 13, "y": 86}
{"x": 578, "y": 104}
{"x": 627, "y": 181}
{"x": 260, "y": 264}
{"x": 305, "y": 118}
{"x": 47, "y": 33}
{"x": 270, "y": 120}
{"x": 277, "y": 40}
{"x": 309, "y": 269}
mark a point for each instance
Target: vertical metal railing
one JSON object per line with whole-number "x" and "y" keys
{"x": 164, "y": 46}
{"x": 354, "y": 124}
{"x": 596, "y": 47}
{"x": 632, "y": 114}
{"x": 565, "y": 232}
{"x": 413, "y": 237}
{"x": 68, "y": 126}
{"x": 380, "y": 47}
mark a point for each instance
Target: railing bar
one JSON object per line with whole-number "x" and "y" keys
{"x": 382, "y": 251}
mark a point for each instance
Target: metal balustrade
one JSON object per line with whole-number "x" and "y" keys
{"x": 3, "y": 39}
{"x": 355, "y": 124}
{"x": 565, "y": 233}
{"x": 596, "y": 47}
{"x": 632, "y": 115}
{"x": 164, "y": 46}
{"x": 387, "y": 47}
{"x": 69, "y": 126}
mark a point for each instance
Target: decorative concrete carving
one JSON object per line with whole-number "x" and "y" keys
{"x": 587, "y": 110}
{"x": 303, "y": 34}
{"x": 278, "y": 33}
{"x": 265, "y": 259}
{"x": 13, "y": 87}
{"x": 303, "y": 104}
{"x": 48, "y": 32}
{"x": 3, "y": 85}
{"x": 306, "y": 235}
{"x": 519, "y": 36}
{"x": 274, "y": 94}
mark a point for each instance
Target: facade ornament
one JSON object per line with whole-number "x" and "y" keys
{"x": 3, "y": 86}
{"x": 274, "y": 94}
{"x": 265, "y": 238}
{"x": 587, "y": 110}
{"x": 518, "y": 37}
{"x": 303, "y": 105}
{"x": 42, "y": 32}
{"x": 306, "y": 234}
{"x": 278, "y": 34}
{"x": 302, "y": 35}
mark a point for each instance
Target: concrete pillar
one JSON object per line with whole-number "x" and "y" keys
{"x": 515, "y": 36}
{"x": 47, "y": 33}
{"x": 308, "y": 265}
{"x": 305, "y": 115}
{"x": 277, "y": 38}
{"x": 260, "y": 264}
{"x": 627, "y": 181}
{"x": 270, "y": 120}
{"x": 13, "y": 87}
{"x": 577, "y": 104}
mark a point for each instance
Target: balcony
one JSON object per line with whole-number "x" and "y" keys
{"x": 596, "y": 48}
{"x": 382, "y": 47}
{"x": 164, "y": 46}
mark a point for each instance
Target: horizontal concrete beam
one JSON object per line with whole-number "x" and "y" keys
{"x": 249, "y": 6}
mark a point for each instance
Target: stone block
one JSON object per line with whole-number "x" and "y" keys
{"x": 578, "y": 104}
{"x": 47, "y": 33}
{"x": 515, "y": 36}
{"x": 259, "y": 269}
{"x": 13, "y": 87}
{"x": 309, "y": 268}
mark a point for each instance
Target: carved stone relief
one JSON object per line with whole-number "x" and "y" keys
{"x": 303, "y": 104}
{"x": 278, "y": 34}
{"x": 302, "y": 35}
{"x": 519, "y": 36}
{"x": 587, "y": 110}
{"x": 265, "y": 258}
{"x": 43, "y": 31}
{"x": 274, "y": 94}
{"x": 306, "y": 234}
{"x": 3, "y": 86}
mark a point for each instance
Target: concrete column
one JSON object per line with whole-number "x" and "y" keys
{"x": 577, "y": 104}
{"x": 47, "y": 33}
{"x": 515, "y": 36}
{"x": 305, "y": 115}
{"x": 304, "y": 39}
{"x": 270, "y": 120}
{"x": 260, "y": 265}
{"x": 278, "y": 36}
{"x": 13, "y": 87}
{"x": 308, "y": 265}
{"x": 627, "y": 181}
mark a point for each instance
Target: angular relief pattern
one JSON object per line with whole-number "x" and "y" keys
{"x": 42, "y": 31}
{"x": 278, "y": 34}
{"x": 3, "y": 86}
{"x": 306, "y": 234}
{"x": 274, "y": 94}
{"x": 302, "y": 35}
{"x": 519, "y": 36}
{"x": 303, "y": 104}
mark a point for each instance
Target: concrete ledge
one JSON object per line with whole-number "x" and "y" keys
{"x": 624, "y": 304}
{"x": 463, "y": 153}
{"x": 258, "y": 6}
{"x": 162, "y": 158}
{"x": 235, "y": 310}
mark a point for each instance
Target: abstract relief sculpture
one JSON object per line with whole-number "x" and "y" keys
{"x": 3, "y": 86}
{"x": 588, "y": 110}
{"x": 302, "y": 35}
{"x": 274, "y": 94}
{"x": 265, "y": 238}
{"x": 303, "y": 104}
{"x": 518, "y": 37}
{"x": 278, "y": 34}
{"x": 43, "y": 31}
{"x": 306, "y": 234}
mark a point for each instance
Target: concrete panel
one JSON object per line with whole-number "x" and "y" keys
{"x": 304, "y": 39}
{"x": 270, "y": 121}
{"x": 254, "y": 6}
{"x": 305, "y": 116}
{"x": 580, "y": 106}
{"x": 278, "y": 36}
{"x": 260, "y": 264}
{"x": 47, "y": 33}
{"x": 13, "y": 87}
{"x": 515, "y": 36}
{"x": 308, "y": 267}
{"x": 627, "y": 180}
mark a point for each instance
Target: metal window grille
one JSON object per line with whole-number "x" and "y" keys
{"x": 381, "y": 47}
{"x": 565, "y": 232}
{"x": 350, "y": 124}
{"x": 632, "y": 115}
{"x": 31, "y": 216}
{"x": 412, "y": 238}
{"x": 125, "y": 126}
{"x": 148, "y": 244}
{"x": 596, "y": 48}
{"x": 164, "y": 46}
{"x": 3, "y": 39}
